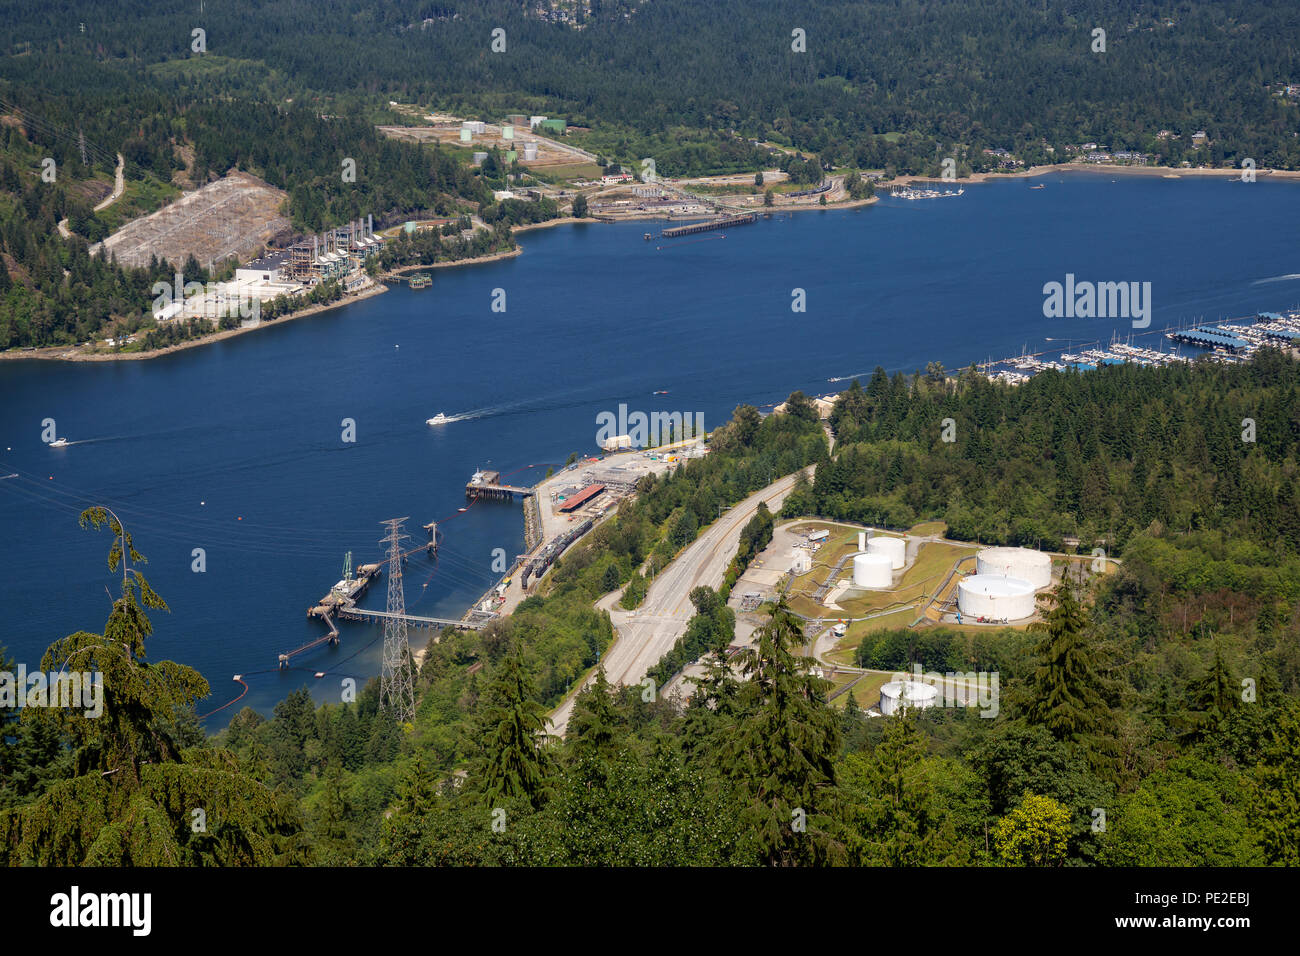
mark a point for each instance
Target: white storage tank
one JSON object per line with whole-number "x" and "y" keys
{"x": 1024, "y": 563}
{"x": 893, "y": 548}
{"x": 909, "y": 694}
{"x": 995, "y": 596}
{"x": 873, "y": 571}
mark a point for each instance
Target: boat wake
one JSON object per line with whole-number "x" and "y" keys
{"x": 1286, "y": 278}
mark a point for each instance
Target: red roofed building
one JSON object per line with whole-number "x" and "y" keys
{"x": 581, "y": 498}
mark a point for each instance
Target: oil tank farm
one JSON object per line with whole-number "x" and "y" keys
{"x": 1023, "y": 563}
{"x": 906, "y": 695}
{"x": 995, "y": 596}
{"x": 893, "y": 548}
{"x": 873, "y": 571}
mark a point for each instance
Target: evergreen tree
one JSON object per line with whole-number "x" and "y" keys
{"x": 1065, "y": 690}
{"x": 514, "y": 762}
{"x": 593, "y": 725}
{"x": 780, "y": 753}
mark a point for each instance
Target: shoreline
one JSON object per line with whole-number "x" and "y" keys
{"x": 1163, "y": 172}
{"x": 70, "y": 353}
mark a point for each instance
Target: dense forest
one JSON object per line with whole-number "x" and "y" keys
{"x": 1090, "y": 459}
{"x": 873, "y": 81}
{"x": 1162, "y": 699}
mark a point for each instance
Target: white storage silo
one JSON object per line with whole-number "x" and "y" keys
{"x": 907, "y": 694}
{"x": 1024, "y": 563}
{"x": 873, "y": 571}
{"x": 995, "y": 596}
{"x": 893, "y": 548}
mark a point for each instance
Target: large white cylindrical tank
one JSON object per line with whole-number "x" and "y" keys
{"x": 995, "y": 596}
{"x": 893, "y": 548}
{"x": 873, "y": 571}
{"x": 1024, "y": 563}
{"x": 906, "y": 693}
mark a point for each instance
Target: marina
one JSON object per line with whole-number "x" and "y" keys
{"x": 913, "y": 192}
{"x": 1231, "y": 340}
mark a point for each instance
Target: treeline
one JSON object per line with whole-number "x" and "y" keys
{"x": 1095, "y": 457}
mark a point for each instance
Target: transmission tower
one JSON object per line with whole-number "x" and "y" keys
{"x": 396, "y": 680}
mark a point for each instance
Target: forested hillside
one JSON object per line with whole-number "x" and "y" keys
{"x": 1165, "y": 695}
{"x": 1089, "y": 458}
{"x": 288, "y": 89}
{"x": 933, "y": 75}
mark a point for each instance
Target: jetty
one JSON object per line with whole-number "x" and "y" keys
{"x": 488, "y": 485}
{"x": 747, "y": 219}
{"x": 341, "y": 604}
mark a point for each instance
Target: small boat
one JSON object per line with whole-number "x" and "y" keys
{"x": 439, "y": 419}
{"x": 662, "y": 391}
{"x": 60, "y": 443}
{"x": 1039, "y": 186}
{"x": 462, "y": 509}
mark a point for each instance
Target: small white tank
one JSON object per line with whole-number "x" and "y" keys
{"x": 893, "y": 548}
{"x": 873, "y": 571}
{"x": 909, "y": 694}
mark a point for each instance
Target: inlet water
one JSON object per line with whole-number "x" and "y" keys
{"x": 236, "y": 448}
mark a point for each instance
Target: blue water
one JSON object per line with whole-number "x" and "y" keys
{"x": 236, "y": 447}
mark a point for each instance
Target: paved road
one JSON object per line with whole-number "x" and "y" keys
{"x": 645, "y": 635}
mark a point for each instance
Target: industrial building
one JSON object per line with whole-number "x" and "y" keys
{"x": 575, "y": 501}
{"x": 333, "y": 254}
{"x": 337, "y": 254}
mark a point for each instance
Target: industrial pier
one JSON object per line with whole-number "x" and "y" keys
{"x": 747, "y": 219}
{"x": 341, "y": 603}
{"x": 487, "y": 484}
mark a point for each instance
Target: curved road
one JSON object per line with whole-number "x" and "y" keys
{"x": 645, "y": 635}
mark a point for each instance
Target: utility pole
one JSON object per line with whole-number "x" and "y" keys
{"x": 81, "y": 144}
{"x": 396, "y": 681}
